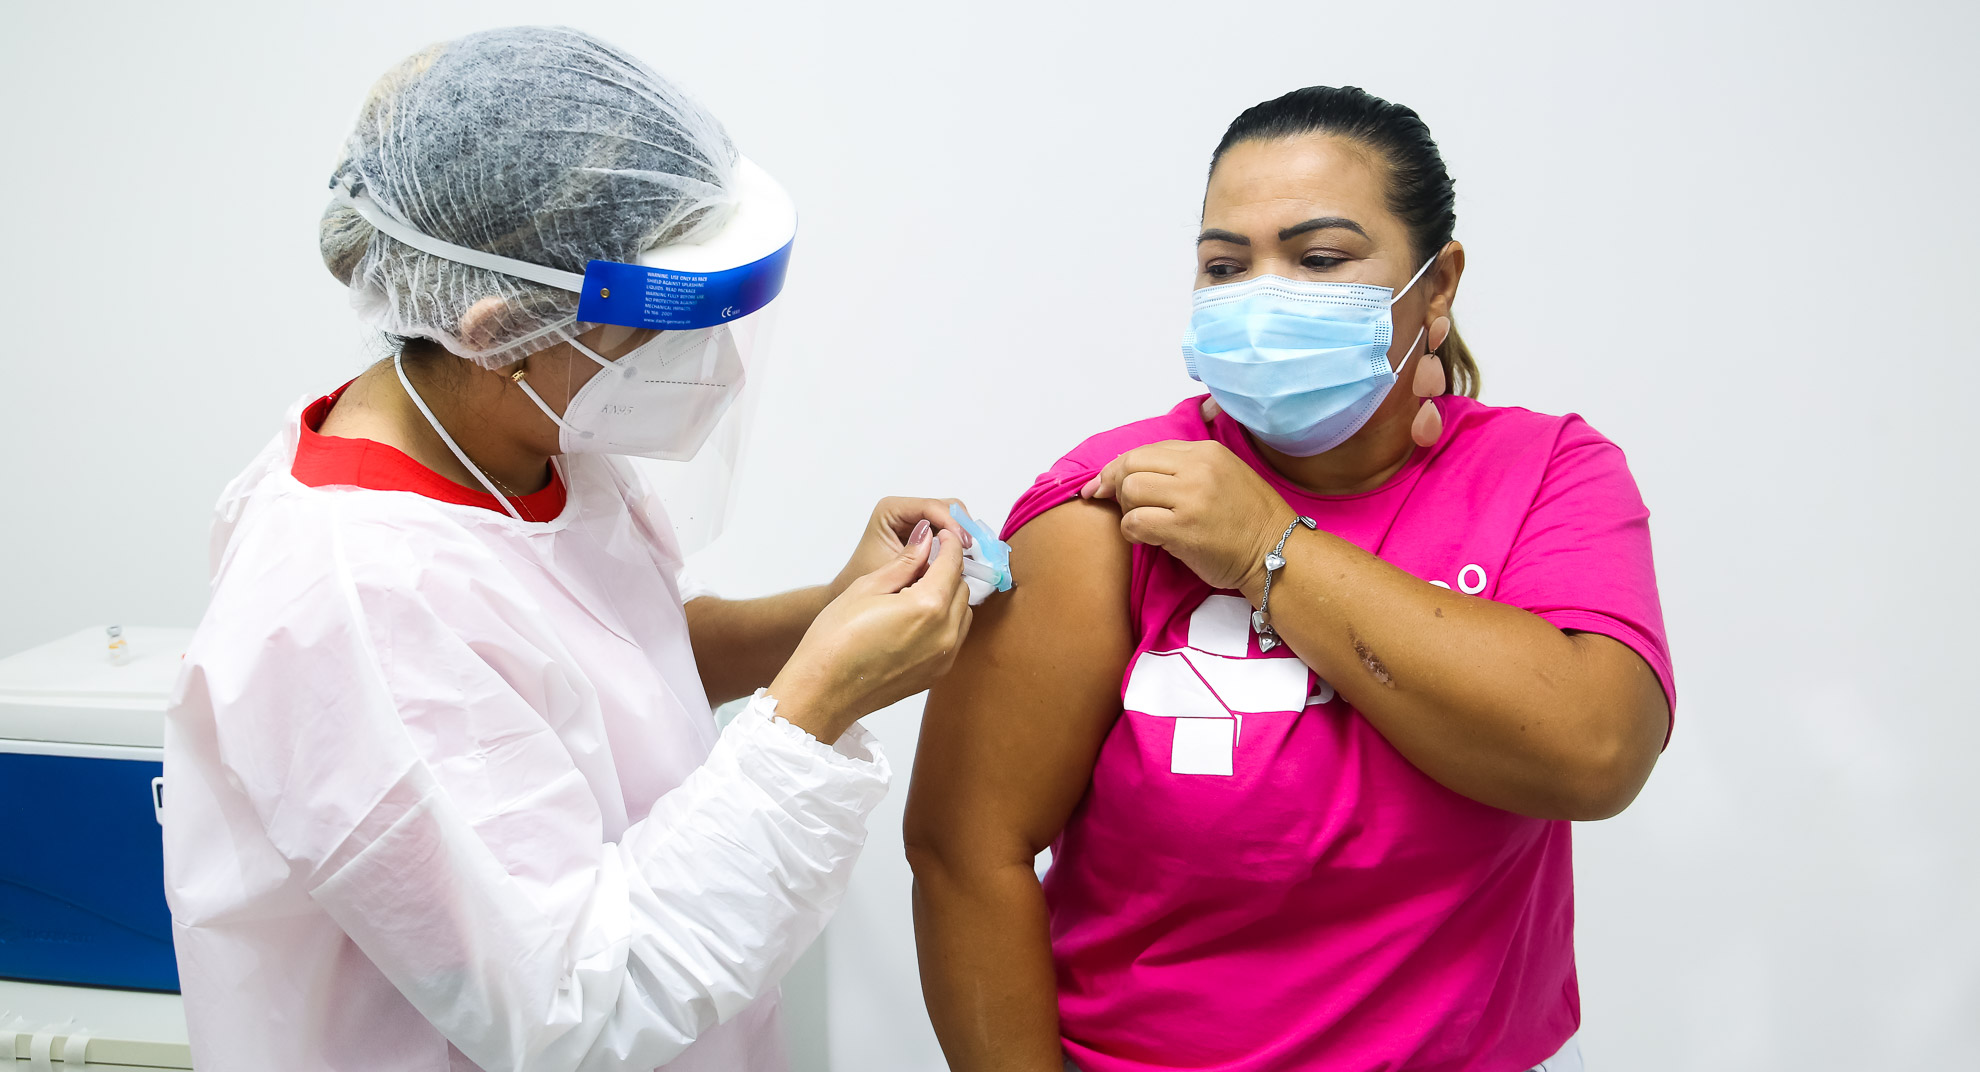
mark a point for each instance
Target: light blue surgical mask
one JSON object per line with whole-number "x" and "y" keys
{"x": 1303, "y": 365}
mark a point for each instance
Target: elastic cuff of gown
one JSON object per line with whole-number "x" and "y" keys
{"x": 692, "y": 587}
{"x": 857, "y": 751}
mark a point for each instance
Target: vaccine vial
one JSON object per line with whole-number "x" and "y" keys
{"x": 120, "y": 650}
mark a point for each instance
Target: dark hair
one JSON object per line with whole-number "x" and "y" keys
{"x": 424, "y": 357}
{"x": 1420, "y": 189}
{"x": 413, "y": 348}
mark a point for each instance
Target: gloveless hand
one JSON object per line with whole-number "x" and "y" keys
{"x": 886, "y": 534}
{"x": 889, "y": 635}
{"x": 1200, "y": 503}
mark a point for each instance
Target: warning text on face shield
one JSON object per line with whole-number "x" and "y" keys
{"x": 634, "y": 295}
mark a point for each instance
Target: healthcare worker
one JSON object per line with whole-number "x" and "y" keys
{"x": 446, "y": 788}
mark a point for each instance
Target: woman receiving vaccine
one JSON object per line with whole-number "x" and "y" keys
{"x": 1302, "y": 682}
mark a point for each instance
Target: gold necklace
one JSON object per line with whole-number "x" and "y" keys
{"x": 511, "y": 492}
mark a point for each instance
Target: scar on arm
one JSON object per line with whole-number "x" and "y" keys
{"x": 1373, "y": 665}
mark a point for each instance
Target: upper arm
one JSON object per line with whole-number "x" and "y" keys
{"x": 1632, "y": 726}
{"x": 1582, "y": 561}
{"x": 1009, "y": 736}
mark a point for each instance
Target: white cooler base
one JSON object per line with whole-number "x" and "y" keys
{"x": 127, "y": 1029}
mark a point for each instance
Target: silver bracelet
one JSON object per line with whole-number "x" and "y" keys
{"x": 1275, "y": 560}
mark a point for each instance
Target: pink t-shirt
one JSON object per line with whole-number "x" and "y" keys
{"x": 1256, "y": 880}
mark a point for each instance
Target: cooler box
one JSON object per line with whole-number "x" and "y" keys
{"x": 82, "y": 888}
{"x": 45, "y": 1028}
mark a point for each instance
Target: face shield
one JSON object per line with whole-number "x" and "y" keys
{"x": 682, "y": 396}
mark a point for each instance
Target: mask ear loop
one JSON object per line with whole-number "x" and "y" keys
{"x": 1409, "y": 353}
{"x": 1429, "y": 422}
{"x": 1419, "y": 331}
{"x": 603, "y": 362}
{"x": 1414, "y": 278}
{"x": 518, "y": 378}
{"x": 399, "y": 366}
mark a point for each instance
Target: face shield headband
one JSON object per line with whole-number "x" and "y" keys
{"x": 735, "y": 272}
{"x": 690, "y": 292}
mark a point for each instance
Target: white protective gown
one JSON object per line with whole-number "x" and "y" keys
{"x": 445, "y": 793}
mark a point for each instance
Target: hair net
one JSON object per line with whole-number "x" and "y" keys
{"x": 537, "y": 143}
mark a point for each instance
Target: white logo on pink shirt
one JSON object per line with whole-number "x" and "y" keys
{"x": 1471, "y": 579}
{"x": 1209, "y": 686}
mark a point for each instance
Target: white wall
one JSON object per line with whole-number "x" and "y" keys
{"x": 1736, "y": 236}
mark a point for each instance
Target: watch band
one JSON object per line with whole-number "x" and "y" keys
{"x": 1275, "y": 560}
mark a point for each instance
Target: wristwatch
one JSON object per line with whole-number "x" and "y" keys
{"x": 1275, "y": 560}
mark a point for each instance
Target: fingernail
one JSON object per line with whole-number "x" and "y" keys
{"x": 961, "y": 514}
{"x": 1091, "y": 487}
{"x": 968, "y": 540}
{"x": 920, "y": 533}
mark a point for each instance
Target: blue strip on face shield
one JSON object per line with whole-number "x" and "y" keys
{"x": 640, "y": 296}
{"x": 735, "y": 272}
